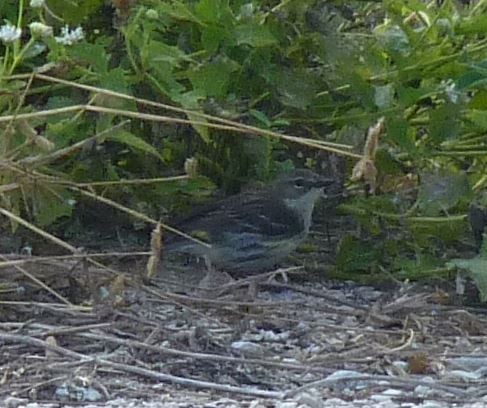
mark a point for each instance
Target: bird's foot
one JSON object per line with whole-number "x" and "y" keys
{"x": 213, "y": 282}
{"x": 280, "y": 272}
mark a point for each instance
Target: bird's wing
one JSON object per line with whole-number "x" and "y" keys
{"x": 247, "y": 214}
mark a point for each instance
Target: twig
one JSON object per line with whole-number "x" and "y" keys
{"x": 402, "y": 346}
{"x": 41, "y": 284}
{"x": 16, "y": 338}
{"x": 31, "y": 341}
{"x": 189, "y": 382}
{"x": 318, "y": 294}
{"x": 375, "y": 379}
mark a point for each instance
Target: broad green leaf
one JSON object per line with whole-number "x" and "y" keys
{"x": 64, "y": 131}
{"x": 399, "y": 131}
{"x": 166, "y": 81}
{"x": 471, "y": 79}
{"x": 393, "y": 38}
{"x": 179, "y": 11}
{"x": 114, "y": 80}
{"x": 214, "y": 12}
{"x": 197, "y": 123}
{"x": 355, "y": 255}
{"x": 445, "y": 122}
{"x": 261, "y": 117}
{"x": 74, "y": 12}
{"x": 159, "y": 52}
{"x": 479, "y": 118}
{"x": 51, "y": 204}
{"x": 213, "y": 78}
{"x": 55, "y": 102}
{"x": 296, "y": 88}
{"x": 255, "y": 35}
{"x": 479, "y": 100}
{"x": 93, "y": 54}
{"x": 136, "y": 142}
{"x": 384, "y": 96}
{"x": 191, "y": 101}
{"x": 426, "y": 234}
{"x": 407, "y": 95}
{"x": 413, "y": 267}
{"x": 477, "y": 267}
{"x": 441, "y": 191}
{"x": 213, "y": 36}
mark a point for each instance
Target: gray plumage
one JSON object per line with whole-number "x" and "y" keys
{"x": 254, "y": 230}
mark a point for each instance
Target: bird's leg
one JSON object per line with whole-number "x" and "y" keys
{"x": 253, "y": 290}
{"x": 281, "y": 272}
{"x": 214, "y": 279}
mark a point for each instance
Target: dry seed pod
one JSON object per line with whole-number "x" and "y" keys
{"x": 365, "y": 168}
{"x": 51, "y": 340}
{"x": 156, "y": 246}
{"x": 191, "y": 166}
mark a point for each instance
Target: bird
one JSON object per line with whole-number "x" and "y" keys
{"x": 254, "y": 230}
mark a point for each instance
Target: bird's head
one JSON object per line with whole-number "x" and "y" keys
{"x": 300, "y": 189}
{"x": 300, "y": 182}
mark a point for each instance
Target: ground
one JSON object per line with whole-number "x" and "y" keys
{"x": 74, "y": 333}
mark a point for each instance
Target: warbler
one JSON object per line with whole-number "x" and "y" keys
{"x": 256, "y": 229}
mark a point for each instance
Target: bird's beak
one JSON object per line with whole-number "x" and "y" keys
{"x": 333, "y": 189}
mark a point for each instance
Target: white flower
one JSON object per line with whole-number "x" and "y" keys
{"x": 454, "y": 94}
{"x": 152, "y": 14}
{"x": 69, "y": 37}
{"x": 9, "y": 33}
{"x": 40, "y": 30}
{"x": 37, "y": 3}
{"x": 449, "y": 87}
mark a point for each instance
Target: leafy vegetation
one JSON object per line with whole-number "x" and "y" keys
{"x": 221, "y": 80}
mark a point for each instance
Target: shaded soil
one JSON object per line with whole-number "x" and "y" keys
{"x": 74, "y": 332}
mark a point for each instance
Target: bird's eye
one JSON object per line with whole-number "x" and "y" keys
{"x": 299, "y": 182}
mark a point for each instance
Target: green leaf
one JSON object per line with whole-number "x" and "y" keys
{"x": 212, "y": 37}
{"x": 399, "y": 131}
{"x": 255, "y": 35}
{"x": 479, "y": 100}
{"x": 159, "y": 52}
{"x": 73, "y": 12}
{"x": 136, "y": 142}
{"x": 479, "y": 118}
{"x": 179, "y": 11}
{"x": 441, "y": 191}
{"x": 413, "y": 268}
{"x": 166, "y": 81}
{"x": 64, "y": 131}
{"x": 190, "y": 100}
{"x": 393, "y": 38}
{"x": 261, "y": 117}
{"x": 114, "y": 80}
{"x": 213, "y": 79}
{"x": 471, "y": 79}
{"x": 92, "y": 54}
{"x": 355, "y": 255}
{"x": 384, "y": 96}
{"x": 477, "y": 267}
{"x": 407, "y": 95}
{"x": 51, "y": 204}
{"x": 473, "y": 25}
{"x": 297, "y": 88}
{"x": 214, "y": 12}
{"x": 445, "y": 122}
{"x": 55, "y": 102}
